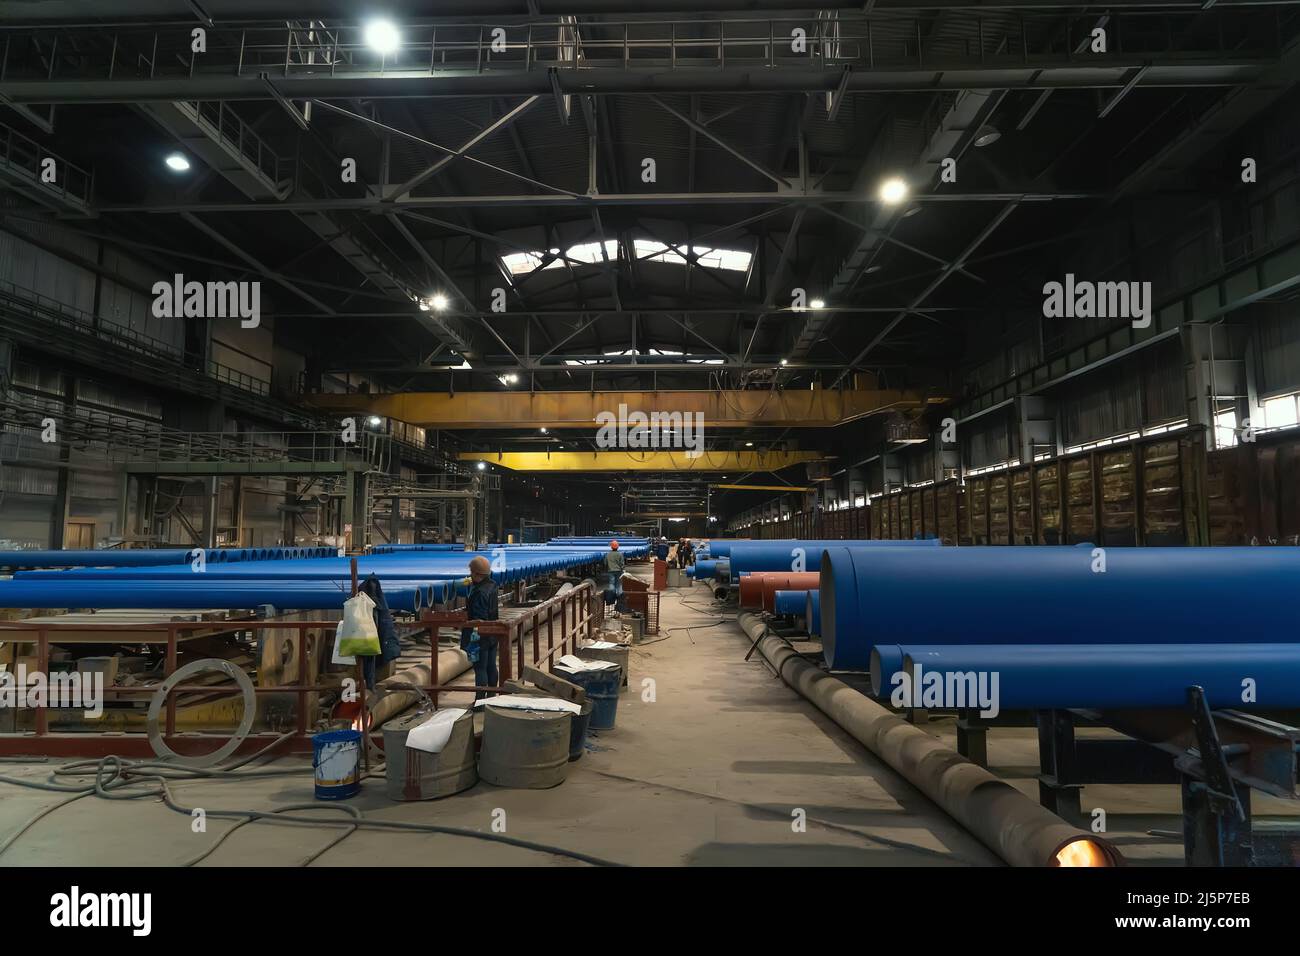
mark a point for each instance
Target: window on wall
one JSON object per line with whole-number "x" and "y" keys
{"x": 1000, "y": 466}
{"x": 1282, "y": 411}
{"x": 1225, "y": 429}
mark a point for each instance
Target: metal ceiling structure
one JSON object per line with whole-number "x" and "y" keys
{"x": 614, "y": 149}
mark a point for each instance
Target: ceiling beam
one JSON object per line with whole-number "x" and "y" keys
{"x": 792, "y": 198}
{"x": 499, "y": 123}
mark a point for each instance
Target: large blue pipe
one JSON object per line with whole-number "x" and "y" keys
{"x": 749, "y": 556}
{"x": 212, "y": 594}
{"x": 812, "y": 614}
{"x": 793, "y": 603}
{"x": 705, "y": 568}
{"x": 1025, "y": 595}
{"x": 1031, "y": 676}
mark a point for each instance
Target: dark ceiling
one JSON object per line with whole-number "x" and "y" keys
{"x": 759, "y": 149}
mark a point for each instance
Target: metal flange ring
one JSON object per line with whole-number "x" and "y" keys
{"x": 207, "y": 664}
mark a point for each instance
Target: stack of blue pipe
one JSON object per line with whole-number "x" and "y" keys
{"x": 736, "y": 558}
{"x": 1071, "y": 626}
{"x": 392, "y": 548}
{"x": 411, "y": 579}
{"x": 147, "y": 557}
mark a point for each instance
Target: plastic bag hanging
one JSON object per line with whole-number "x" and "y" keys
{"x": 358, "y": 635}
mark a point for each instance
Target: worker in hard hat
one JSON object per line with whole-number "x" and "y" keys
{"x": 614, "y": 564}
{"x": 481, "y": 605}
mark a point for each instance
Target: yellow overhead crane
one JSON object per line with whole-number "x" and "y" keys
{"x": 735, "y": 408}
{"x": 618, "y": 459}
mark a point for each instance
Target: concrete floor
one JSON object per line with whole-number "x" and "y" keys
{"x": 709, "y": 773}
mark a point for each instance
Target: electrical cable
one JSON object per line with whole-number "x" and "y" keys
{"x": 113, "y": 774}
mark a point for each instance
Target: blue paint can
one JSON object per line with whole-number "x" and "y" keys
{"x": 336, "y": 760}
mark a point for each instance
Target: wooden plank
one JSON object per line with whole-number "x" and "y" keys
{"x": 556, "y": 686}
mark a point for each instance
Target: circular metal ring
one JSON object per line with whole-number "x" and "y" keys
{"x": 205, "y": 665}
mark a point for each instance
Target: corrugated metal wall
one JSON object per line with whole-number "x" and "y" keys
{"x": 34, "y": 270}
{"x": 1277, "y": 341}
{"x": 988, "y": 440}
{"x": 1124, "y": 397}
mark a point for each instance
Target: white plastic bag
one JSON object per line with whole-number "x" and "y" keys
{"x": 358, "y": 636}
{"x": 338, "y": 658}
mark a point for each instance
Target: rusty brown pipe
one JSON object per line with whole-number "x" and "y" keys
{"x": 1009, "y": 823}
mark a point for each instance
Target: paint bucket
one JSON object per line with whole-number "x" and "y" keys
{"x": 525, "y": 748}
{"x": 336, "y": 759}
{"x": 602, "y": 688}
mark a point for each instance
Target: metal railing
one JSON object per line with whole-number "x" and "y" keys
{"x": 887, "y": 39}
{"x": 166, "y": 445}
{"x": 566, "y": 620}
{"x": 230, "y": 376}
{"x": 23, "y": 158}
{"x": 228, "y": 128}
{"x": 69, "y": 317}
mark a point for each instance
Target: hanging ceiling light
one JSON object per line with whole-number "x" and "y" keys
{"x": 382, "y": 37}
{"x": 893, "y": 190}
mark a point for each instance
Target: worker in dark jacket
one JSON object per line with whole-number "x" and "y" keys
{"x": 481, "y": 605}
{"x": 390, "y": 648}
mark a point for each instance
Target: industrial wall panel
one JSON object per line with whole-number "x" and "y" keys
{"x": 875, "y": 518}
{"x": 1022, "y": 506}
{"x": 988, "y": 442}
{"x": 1162, "y": 494}
{"x": 917, "y": 510}
{"x": 25, "y": 521}
{"x": 1118, "y": 498}
{"x": 1047, "y": 502}
{"x": 1081, "y": 511}
{"x": 1277, "y": 346}
{"x": 1287, "y": 483}
{"x": 895, "y": 506}
{"x": 963, "y": 517}
{"x": 999, "y": 508}
{"x": 945, "y": 520}
{"x": 120, "y": 400}
{"x": 1228, "y": 476}
{"x": 929, "y": 518}
{"x": 34, "y": 270}
{"x": 978, "y": 492}
{"x": 904, "y": 527}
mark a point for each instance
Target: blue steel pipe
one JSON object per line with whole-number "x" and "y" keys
{"x": 793, "y": 603}
{"x": 212, "y": 594}
{"x": 1026, "y": 595}
{"x": 709, "y": 568}
{"x": 812, "y": 614}
{"x": 748, "y": 556}
{"x": 1105, "y": 676}
{"x": 508, "y": 566}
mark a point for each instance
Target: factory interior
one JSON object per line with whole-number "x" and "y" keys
{"x": 530, "y": 434}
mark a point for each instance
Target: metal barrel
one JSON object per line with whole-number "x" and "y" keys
{"x": 411, "y": 774}
{"x": 526, "y": 749}
{"x": 602, "y": 689}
